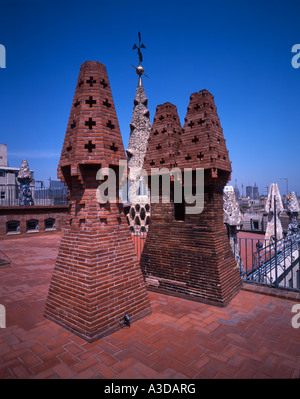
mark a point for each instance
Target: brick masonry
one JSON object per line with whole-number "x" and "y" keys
{"x": 165, "y": 138}
{"x": 252, "y": 337}
{"x": 188, "y": 255}
{"x": 97, "y": 278}
{"x": 23, "y": 214}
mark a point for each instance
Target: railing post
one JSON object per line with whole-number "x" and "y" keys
{"x": 275, "y": 239}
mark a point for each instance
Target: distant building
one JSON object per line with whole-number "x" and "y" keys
{"x": 255, "y": 192}
{"x": 3, "y": 154}
{"x": 249, "y": 191}
{"x": 56, "y": 184}
{"x": 236, "y": 192}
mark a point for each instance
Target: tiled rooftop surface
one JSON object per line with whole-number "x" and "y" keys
{"x": 251, "y": 338}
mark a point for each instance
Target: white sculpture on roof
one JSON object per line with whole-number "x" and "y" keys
{"x": 232, "y": 219}
{"x": 293, "y": 210}
{"x": 274, "y": 197}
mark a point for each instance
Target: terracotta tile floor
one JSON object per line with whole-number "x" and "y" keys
{"x": 251, "y": 338}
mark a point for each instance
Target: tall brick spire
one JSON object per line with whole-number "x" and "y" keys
{"x": 97, "y": 278}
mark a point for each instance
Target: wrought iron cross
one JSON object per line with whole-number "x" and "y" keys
{"x": 138, "y": 47}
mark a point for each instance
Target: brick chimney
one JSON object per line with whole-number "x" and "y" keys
{"x": 96, "y": 278}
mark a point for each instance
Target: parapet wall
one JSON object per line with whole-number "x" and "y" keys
{"x": 23, "y": 220}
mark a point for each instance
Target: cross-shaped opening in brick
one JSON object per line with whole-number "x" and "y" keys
{"x": 103, "y": 83}
{"x": 69, "y": 148}
{"x": 113, "y": 147}
{"x": 162, "y": 161}
{"x": 191, "y": 124}
{"x": 90, "y": 101}
{"x": 90, "y": 146}
{"x": 90, "y": 123}
{"x": 161, "y": 117}
{"x": 91, "y": 81}
{"x": 201, "y": 122}
{"x": 73, "y": 125}
{"x": 158, "y": 147}
{"x": 197, "y": 107}
{"x": 195, "y": 139}
{"x": 110, "y": 125}
{"x": 155, "y": 133}
{"x": 107, "y": 103}
{"x": 152, "y": 163}
{"x": 77, "y": 103}
{"x": 200, "y": 156}
{"x": 80, "y": 83}
{"x": 188, "y": 157}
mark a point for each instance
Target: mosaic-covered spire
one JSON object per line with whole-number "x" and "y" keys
{"x": 24, "y": 172}
{"x": 24, "y": 178}
{"x": 232, "y": 219}
{"x": 293, "y": 210}
{"x": 138, "y": 214}
{"x": 232, "y": 213}
{"x": 292, "y": 203}
{"x": 140, "y": 127}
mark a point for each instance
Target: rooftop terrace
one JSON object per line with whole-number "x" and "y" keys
{"x": 250, "y": 338}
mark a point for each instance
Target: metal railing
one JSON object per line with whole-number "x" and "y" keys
{"x": 10, "y": 195}
{"x": 271, "y": 263}
{"x": 261, "y": 263}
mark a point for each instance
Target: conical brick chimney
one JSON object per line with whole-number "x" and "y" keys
{"x": 165, "y": 138}
{"x": 96, "y": 279}
{"x": 188, "y": 255}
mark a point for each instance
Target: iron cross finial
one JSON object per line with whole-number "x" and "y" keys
{"x": 139, "y": 69}
{"x": 139, "y": 48}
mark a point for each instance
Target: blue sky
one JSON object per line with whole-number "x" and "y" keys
{"x": 238, "y": 50}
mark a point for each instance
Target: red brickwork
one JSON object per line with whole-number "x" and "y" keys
{"x": 164, "y": 140}
{"x": 189, "y": 255}
{"x": 203, "y": 143}
{"x": 93, "y": 134}
{"x": 24, "y": 214}
{"x": 97, "y": 278}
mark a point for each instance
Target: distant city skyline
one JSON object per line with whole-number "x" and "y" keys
{"x": 190, "y": 46}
